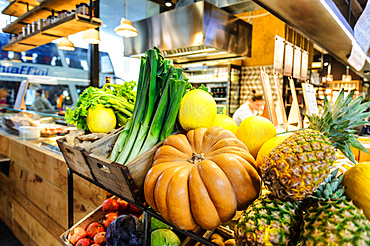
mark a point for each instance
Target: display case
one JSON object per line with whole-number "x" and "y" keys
{"x": 36, "y": 128}
{"x": 223, "y": 81}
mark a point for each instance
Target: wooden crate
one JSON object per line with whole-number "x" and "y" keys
{"x": 95, "y": 216}
{"x": 75, "y": 158}
{"x": 124, "y": 180}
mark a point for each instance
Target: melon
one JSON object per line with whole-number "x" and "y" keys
{"x": 164, "y": 237}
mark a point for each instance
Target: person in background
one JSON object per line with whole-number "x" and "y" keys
{"x": 248, "y": 109}
{"x": 40, "y": 103}
{"x": 3, "y": 96}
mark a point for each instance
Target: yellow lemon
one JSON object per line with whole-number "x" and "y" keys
{"x": 268, "y": 146}
{"x": 226, "y": 122}
{"x": 254, "y": 131}
{"x": 197, "y": 109}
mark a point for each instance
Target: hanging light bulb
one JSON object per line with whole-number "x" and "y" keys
{"x": 66, "y": 44}
{"x": 126, "y": 29}
{"x": 168, "y": 4}
{"x": 92, "y": 36}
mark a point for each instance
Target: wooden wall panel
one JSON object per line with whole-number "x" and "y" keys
{"x": 46, "y": 196}
{"x": 4, "y": 146}
{"x": 264, "y": 29}
{"x": 31, "y": 226}
{"x": 5, "y": 200}
{"x": 53, "y": 168}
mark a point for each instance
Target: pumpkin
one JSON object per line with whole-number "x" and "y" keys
{"x": 201, "y": 178}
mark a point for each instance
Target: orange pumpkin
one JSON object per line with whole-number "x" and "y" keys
{"x": 201, "y": 178}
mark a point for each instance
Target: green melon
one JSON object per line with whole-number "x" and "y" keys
{"x": 164, "y": 237}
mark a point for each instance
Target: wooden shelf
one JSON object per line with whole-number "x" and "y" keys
{"x": 67, "y": 26}
{"x": 19, "y": 7}
{"x": 41, "y": 11}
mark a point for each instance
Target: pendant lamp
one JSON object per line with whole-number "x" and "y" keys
{"x": 66, "y": 44}
{"x": 92, "y": 36}
{"x": 126, "y": 29}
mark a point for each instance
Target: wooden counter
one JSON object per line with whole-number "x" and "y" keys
{"x": 33, "y": 199}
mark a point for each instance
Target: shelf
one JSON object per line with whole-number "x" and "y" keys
{"x": 219, "y": 99}
{"x": 208, "y": 81}
{"x": 67, "y": 26}
{"x": 19, "y": 7}
{"x": 41, "y": 11}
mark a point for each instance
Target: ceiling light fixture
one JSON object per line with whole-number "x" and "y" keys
{"x": 66, "y": 44}
{"x": 168, "y": 4}
{"x": 92, "y": 36}
{"x": 126, "y": 29}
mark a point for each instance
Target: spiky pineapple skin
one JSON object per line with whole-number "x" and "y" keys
{"x": 298, "y": 165}
{"x": 334, "y": 222}
{"x": 269, "y": 221}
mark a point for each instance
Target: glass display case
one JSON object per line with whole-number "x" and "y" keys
{"x": 223, "y": 81}
{"x": 36, "y": 128}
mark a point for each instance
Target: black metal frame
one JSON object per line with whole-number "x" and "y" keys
{"x": 147, "y": 212}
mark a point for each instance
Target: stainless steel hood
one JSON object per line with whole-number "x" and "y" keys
{"x": 195, "y": 32}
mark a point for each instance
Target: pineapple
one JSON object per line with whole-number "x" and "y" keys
{"x": 298, "y": 165}
{"x": 268, "y": 221}
{"x": 330, "y": 219}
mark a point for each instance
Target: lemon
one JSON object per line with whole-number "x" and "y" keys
{"x": 268, "y": 146}
{"x": 226, "y": 122}
{"x": 197, "y": 109}
{"x": 254, "y": 131}
{"x": 100, "y": 119}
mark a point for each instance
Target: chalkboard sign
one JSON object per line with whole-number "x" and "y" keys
{"x": 19, "y": 101}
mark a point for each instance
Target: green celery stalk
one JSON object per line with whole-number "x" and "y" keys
{"x": 153, "y": 93}
{"x": 157, "y": 124}
{"x": 177, "y": 90}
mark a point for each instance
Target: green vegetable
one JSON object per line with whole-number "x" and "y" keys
{"x": 120, "y": 98}
{"x": 164, "y": 237}
{"x": 160, "y": 89}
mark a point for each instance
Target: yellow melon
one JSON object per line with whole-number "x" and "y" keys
{"x": 226, "y": 122}
{"x": 254, "y": 131}
{"x": 357, "y": 182}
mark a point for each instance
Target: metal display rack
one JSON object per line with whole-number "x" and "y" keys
{"x": 147, "y": 213}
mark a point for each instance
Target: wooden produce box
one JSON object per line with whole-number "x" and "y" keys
{"x": 124, "y": 180}
{"x": 75, "y": 158}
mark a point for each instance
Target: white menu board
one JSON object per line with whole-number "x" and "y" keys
{"x": 288, "y": 61}
{"x": 304, "y": 67}
{"x": 297, "y": 63}
{"x": 279, "y": 55}
{"x": 309, "y": 95}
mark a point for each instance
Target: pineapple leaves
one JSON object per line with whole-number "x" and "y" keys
{"x": 337, "y": 120}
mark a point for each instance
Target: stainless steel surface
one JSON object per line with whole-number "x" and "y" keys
{"x": 312, "y": 19}
{"x": 237, "y": 6}
{"x": 195, "y": 32}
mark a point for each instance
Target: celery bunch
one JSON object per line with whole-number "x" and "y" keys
{"x": 121, "y": 98}
{"x": 160, "y": 89}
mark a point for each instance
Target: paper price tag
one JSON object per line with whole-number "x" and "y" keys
{"x": 309, "y": 95}
{"x": 288, "y": 62}
{"x": 362, "y": 29}
{"x": 357, "y": 58}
